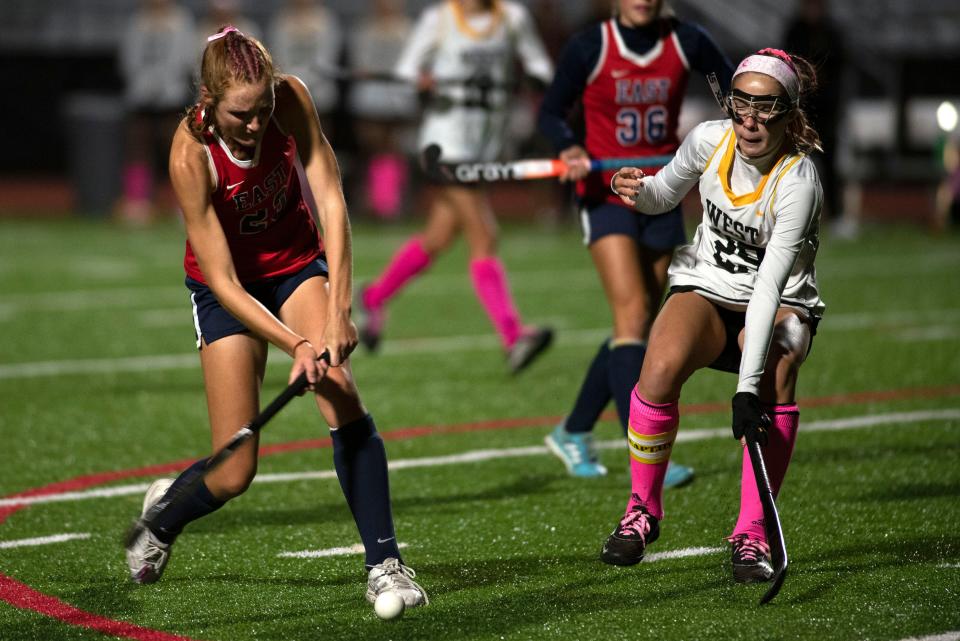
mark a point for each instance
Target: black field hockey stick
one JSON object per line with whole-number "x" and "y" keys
{"x": 467, "y": 173}
{"x": 189, "y": 485}
{"x": 771, "y": 521}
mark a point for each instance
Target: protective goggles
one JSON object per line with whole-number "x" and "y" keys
{"x": 764, "y": 109}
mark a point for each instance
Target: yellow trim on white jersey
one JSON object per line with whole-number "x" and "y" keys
{"x": 726, "y": 164}
{"x": 496, "y": 17}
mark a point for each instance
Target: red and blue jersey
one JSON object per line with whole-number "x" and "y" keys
{"x": 631, "y": 104}
{"x": 631, "y": 81}
{"x": 260, "y": 204}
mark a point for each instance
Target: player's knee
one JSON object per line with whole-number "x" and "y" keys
{"x": 234, "y": 484}
{"x": 661, "y": 375}
{"x": 787, "y": 367}
{"x": 438, "y": 242}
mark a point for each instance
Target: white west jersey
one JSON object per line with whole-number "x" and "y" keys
{"x": 755, "y": 247}
{"x": 460, "y": 52}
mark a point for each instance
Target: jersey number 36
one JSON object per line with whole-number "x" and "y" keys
{"x": 635, "y": 126}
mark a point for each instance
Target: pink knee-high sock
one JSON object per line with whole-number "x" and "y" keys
{"x": 137, "y": 181}
{"x": 490, "y": 284}
{"x": 651, "y": 432}
{"x": 776, "y": 456}
{"x": 386, "y": 180}
{"x": 407, "y": 262}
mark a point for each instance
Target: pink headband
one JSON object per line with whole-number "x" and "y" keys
{"x": 775, "y": 66}
{"x": 227, "y": 30}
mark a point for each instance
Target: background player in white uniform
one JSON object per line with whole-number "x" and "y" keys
{"x": 463, "y": 52}
{"x": 743, "y": 293}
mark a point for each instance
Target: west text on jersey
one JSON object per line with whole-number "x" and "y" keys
{"x": 730, "y": 227}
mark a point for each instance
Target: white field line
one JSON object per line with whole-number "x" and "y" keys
{"x": 931, "y": 333}
{"x": 885, "y": 321}
{"x": 133, "y": 297}
{"x": 944, "y": 636}
{"x": 479, "y": 456}
{"x": 358, "y": 549}
{"x": 468, "y": 343}
{"x": 316, "y": 554}
{"x": 680, "y": 554}
{"x": 437, "y": 285}
{"x": 42, "y": 540}
{"x": 100, "y": 366}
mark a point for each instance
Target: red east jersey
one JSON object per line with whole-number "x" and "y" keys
{"x": 265, "y": 217}
{"x": 631, "y": 105}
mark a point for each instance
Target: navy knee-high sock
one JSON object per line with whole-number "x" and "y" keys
{"x": 361, "y": 463}
{"x": 626, "y": 359}
{"x": 594, "y": 393}
{"x": 186, "y": 508}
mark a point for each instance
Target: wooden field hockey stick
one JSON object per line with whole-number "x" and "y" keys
{"x": 244, "y": 434}
{"x": 467, "y": 173}
{"x": 771, "y": 521}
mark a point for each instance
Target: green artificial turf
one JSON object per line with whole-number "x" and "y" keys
{"x": 98, "y": 374}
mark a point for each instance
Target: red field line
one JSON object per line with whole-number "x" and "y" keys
{"x": 20, "y": 595}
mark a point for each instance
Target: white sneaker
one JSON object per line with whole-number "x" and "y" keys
{"x": 391, "y": 575}
{"x": 148, "y": 556}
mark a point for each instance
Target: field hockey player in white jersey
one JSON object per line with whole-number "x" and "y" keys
{"x": 743, "y": 295}
{"x": 462, "y": 55}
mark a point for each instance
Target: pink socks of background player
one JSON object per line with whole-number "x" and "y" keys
{"x": 490, "y": 284}
{"x": 386, "y": 182}
{"x": 777, "y": 453}
{"x": 407, "y": 262}
{"x": 651, "y": 433}
{"x": 137, "y": 182}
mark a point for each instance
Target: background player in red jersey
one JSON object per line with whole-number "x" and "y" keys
{"x": 259, "y": 273}
{"x": 630, "y": 72}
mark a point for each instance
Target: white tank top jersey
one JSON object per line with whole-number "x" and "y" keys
{"x": 456, "y": 48}
{"x": 755, "y": 247}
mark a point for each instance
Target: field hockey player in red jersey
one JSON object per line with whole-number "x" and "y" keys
{"x": 260, "y": 274}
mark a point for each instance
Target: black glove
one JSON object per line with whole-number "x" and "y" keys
{"x": 749, "y": 419}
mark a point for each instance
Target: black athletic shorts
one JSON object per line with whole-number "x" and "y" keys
{"x": 212, "y": 322}
{"x": 733, "y": 323}
{"x": 662, "y": 232}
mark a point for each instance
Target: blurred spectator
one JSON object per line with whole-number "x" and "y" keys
{"x": 551, "y": 23}
{"x": 947, "y": 212}
{"x": 381, "y": 109}
{"x": 812, "y": 34}
{"x": 222, "y": 13}
{"x": 306, "y": 41}
{"x": 156, "y": 58}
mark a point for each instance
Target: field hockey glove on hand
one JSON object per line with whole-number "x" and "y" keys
{"x": 749, "y": 419}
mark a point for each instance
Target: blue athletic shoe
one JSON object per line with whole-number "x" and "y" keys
{"x": 576, "y": 451}
{"x": 677, "y": 475}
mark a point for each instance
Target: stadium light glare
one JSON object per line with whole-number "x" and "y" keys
{"x": 947, "y": 116}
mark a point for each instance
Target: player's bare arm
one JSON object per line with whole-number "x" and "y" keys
{"x": 296, "y": 113}
{"x": 190, "y": 176}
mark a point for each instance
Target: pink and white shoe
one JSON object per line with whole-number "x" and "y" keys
{"x": 751, "y": 559}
